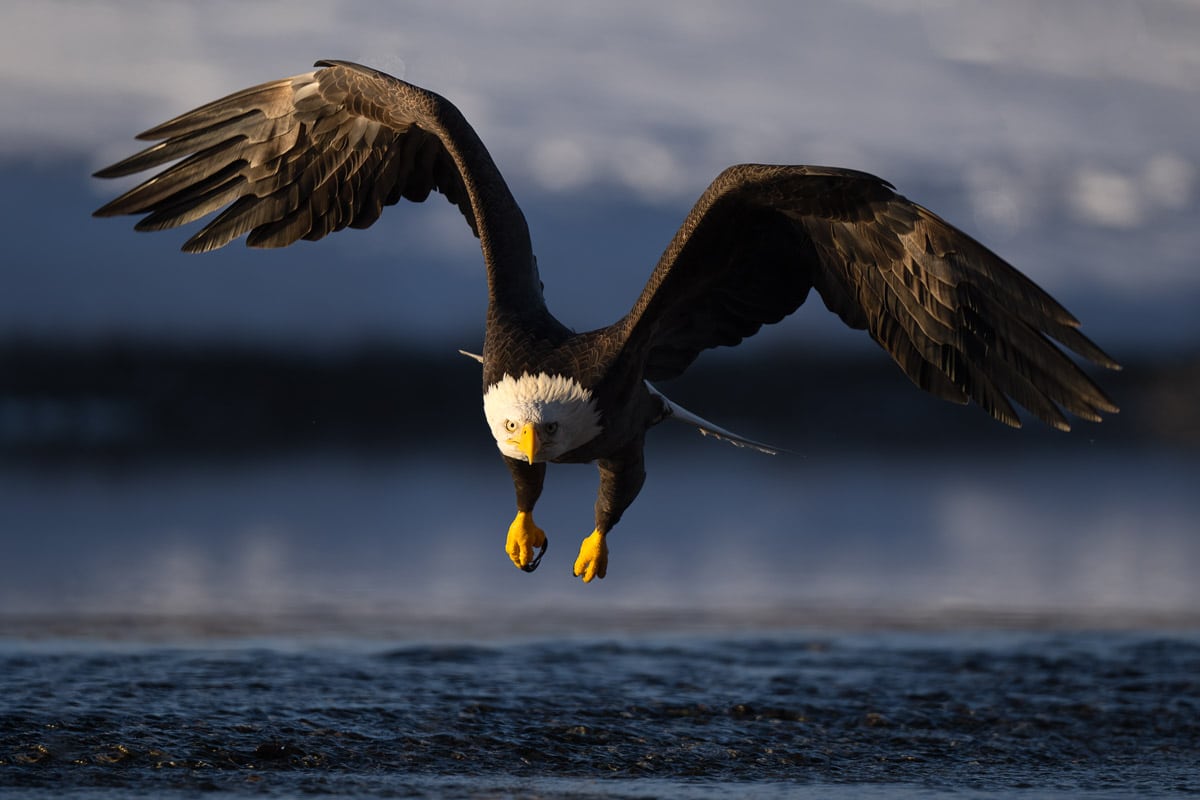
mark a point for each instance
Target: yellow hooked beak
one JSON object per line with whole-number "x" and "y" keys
{"x": 527, "y": 442}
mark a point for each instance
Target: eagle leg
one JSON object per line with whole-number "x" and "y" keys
{"x": 523, "y": 538}
{"x": 621, "y": 478}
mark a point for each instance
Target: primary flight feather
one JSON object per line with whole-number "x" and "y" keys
{"x": 305, "y": 156}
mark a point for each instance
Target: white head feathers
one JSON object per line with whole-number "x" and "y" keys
{"x": 544, "y": 400}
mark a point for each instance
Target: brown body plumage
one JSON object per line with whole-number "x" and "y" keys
{"x": 309, "y": 155}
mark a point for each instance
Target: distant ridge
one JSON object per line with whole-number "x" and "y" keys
{"x": 135, "y": 398}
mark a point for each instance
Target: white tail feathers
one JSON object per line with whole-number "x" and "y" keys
{"x": 475, "y": 356}
{"x": 676, "y": 411}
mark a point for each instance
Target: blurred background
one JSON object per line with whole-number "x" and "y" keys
{"x": 252, "y": 434}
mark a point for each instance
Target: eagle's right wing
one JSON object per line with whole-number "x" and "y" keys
{"x": 305, "y": 156}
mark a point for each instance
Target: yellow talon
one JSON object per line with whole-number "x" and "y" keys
{"x": 523, "y": 538}
{"x": 593, "y": 558}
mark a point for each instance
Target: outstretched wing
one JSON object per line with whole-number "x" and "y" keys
{"x": 305, "y": 156}
{"x": 959, "y": 321}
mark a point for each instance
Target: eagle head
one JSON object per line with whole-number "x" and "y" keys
{"x": 540, "y": 417}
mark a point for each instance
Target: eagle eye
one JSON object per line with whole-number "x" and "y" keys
{"x": 510, "y": 426}
{"x": 551, "y": 428}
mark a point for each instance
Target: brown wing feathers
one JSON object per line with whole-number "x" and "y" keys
{"x": 297, "y": 158}
{"x": 958, "y": 320}
{"x": 302, "y": 157}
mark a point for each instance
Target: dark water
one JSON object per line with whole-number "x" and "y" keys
{"x": 852, "y": 713}
{"x": 879, "y": 625}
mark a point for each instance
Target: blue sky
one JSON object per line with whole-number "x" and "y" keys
{"x": 1062, "y": 134}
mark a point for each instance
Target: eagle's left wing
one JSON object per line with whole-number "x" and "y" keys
{"x": 959, "y": 321}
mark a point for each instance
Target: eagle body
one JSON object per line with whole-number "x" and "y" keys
{"x": 592, "y": 391}
{"x": 305, "y": 156}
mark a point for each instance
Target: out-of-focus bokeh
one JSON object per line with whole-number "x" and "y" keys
{"x": 271, "y": 433}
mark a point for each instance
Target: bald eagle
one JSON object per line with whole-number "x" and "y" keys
{"x": 304, "y": 156}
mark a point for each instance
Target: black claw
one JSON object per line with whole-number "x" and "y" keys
{"x": 532, "y": 565}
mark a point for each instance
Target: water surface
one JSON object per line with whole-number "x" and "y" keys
{"x": 641, "y": 715}
{"x": 822, "y": 626}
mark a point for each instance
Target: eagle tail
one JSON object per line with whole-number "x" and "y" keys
{"x": 475, "y": 356}
{"x": 672, "y": 410}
